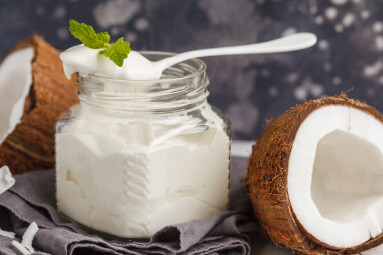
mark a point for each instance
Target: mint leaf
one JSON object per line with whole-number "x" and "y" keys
{"x": 118, "y": 51}
{"x": 88, "y": 36}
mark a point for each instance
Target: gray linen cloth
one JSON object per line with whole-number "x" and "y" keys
{"x": 32, "y": 198}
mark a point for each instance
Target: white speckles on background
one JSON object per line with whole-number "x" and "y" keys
{"x": 379, "y": 43}
{"x": 62, "y": 33}
{"x": 339, "y": 2}
{"x": 289, "y": 31}
{"x": 292, "y": 77}
{"x": 338, "y": 28}
{"x": 243, "y": 91}
{"x": 348, "y": 19}
{"x": 115, "y": 12}
{"x": 365, "y": 14}
{"x": 131, "y": 36}
{"x": 377, "y": 26}
{"x": 336, "y": 80}
{"x": 313, "y": 9}
{"x": 319, "y": 20}
{"x": 308, "y": 88}
{"x": 323, "y": 44}
{"x": 370, "y": 92}
{"x": 244, "y": 116}
{"x": 273, "y": 91}
{"x": 316, "y": 90}
{"x": 115, "y": 31}
{"x": 59, "y": 12}
{"x": 331, "y": 13}
{"x": 373, "y": 69}
{"x": 327, "y": 67}
{"x": 141, "y": 24}
{"x": 221, "y": 14}
{"x": 300, "y": 93}
{"x": 265, "y": 72}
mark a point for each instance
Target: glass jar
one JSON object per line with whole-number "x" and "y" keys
{"x": 135, "y": 156}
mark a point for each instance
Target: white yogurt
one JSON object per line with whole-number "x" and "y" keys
{"x": 131, "y": 176}
{"x": 111, "y": 178}
{"x": 88, "y": 61}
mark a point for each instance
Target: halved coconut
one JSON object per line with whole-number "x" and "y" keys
{"x": 315, "y": 177}
{"x": 33, "y": 93}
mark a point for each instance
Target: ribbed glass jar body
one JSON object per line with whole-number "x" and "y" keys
{"x": 135, "y": 156}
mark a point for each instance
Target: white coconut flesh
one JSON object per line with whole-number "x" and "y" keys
{"x": 15, "y": 83}
{"x": 335, "y": 176}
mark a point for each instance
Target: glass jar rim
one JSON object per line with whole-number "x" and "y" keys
{"x": 185, "y": 88}
{"x": 201, "y": 69}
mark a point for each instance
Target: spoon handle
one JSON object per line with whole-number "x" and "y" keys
{"x": 288, "y": 43}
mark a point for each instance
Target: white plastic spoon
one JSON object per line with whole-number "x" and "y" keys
{"x": 137, "y": 67}
{"x": 289, "y": 43}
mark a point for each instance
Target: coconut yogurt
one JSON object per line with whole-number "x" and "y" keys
{"x": 127, "y": 172}
{"x": 88, "y": 61}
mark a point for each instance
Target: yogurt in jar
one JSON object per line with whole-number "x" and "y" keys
{"x": 131, "y": 175}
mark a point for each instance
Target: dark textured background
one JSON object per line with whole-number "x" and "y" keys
{"x": 247, "y": 88}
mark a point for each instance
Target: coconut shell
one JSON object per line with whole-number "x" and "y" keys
{"x": 267, "y": 180}
{"x": 30, "y": 146}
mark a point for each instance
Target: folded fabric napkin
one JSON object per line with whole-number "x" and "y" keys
{"x": 32, "y": 198}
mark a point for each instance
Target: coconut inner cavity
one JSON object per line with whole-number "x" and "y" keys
{"x": 347, "y": 177}
{"x": 335, "y": 176}
{"x": 15, "y": 83}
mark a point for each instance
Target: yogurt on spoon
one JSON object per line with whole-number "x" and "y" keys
{"x": 88, "y": 61}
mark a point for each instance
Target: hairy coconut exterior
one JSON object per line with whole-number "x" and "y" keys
{"x": 267, "y": 180}
{"x": 31, "y": 144}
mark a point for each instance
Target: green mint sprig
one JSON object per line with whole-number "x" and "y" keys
{"x": 117, "y": 52}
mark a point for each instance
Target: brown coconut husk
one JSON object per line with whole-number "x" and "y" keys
{"x": 267, "y": 180}
{"x": 30, "y": 146}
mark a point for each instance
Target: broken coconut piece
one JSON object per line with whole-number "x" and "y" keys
{"x": 33, "y": 93}
{"x": 7, "y": 233}
{"x": 25, "y": 246}
{"x": 21, "y": 248}
{"x": 6, "y": 179}
{"x": 28, "y": 236}
{"x": 315, "y": 177}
